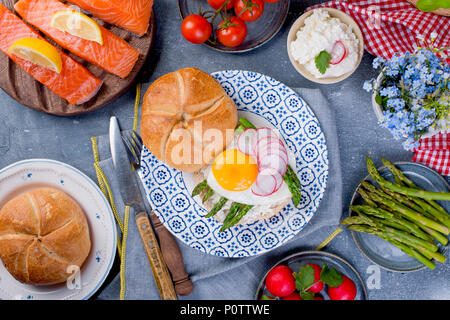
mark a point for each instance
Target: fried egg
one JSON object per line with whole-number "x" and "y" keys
{"x": 232, "y": 174}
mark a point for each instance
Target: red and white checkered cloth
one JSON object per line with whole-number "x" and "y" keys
{"x": 435, "y": 153}
{"x": 394, "y": 26}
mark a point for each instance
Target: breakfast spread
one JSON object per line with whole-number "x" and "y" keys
{"x": 44, "y": 236}
{"x": 234, "y": 163}
{"x": 326, "y": 46}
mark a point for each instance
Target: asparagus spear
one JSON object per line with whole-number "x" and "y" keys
{"x": 402, "y": 189}
{"x": 405, "y": 247}
{"x": 217, "y": 207}
{"x": 247, "y": 124}
{"x": 242, "y": 212}
{"x": 366, "y": 197}
{"x": 199, "y": 188}
{"x": 235, "y": 207}
{"x": 389, "y": 216}
{"x": 410, "y": 214}
{"x": 209, "y": 193}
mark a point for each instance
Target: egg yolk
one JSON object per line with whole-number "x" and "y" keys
{"x": 234, "y": 170}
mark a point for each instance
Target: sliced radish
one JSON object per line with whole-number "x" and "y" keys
{"x": 272, "y": 152}
{"x": 338, "y": 52}
{"x": 275, "y": 162}
{"x": 265, "y": 185}
{"x": 246, "y": 141}
{"x": 268, "y": 143}
{"x": 273, "y": 173}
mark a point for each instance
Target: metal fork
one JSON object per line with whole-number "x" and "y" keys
{"x": 169, "y": 247}
{"x": 134, "y": 144}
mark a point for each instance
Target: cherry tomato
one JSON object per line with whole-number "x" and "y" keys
{"x": 249, "y": 10}
{"x": 280, "y": 282}
{"x": 293, "y": 296}
{"x": 318, "y": 298}
{"x": 319, "y": 285}
{"x": 346, "y": 291}
{"x": 216, "y": 4}
{"x": 196, "y": 29}
{"x": 231, "y": 32}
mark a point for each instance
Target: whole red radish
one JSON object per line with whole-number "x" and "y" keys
{"x": 318, "y": 298}
{"x": 293, "y": 296}
{"x": 346, "y": 291}
{"x": 319, "y": 285}
{"x": 280, "y": 282}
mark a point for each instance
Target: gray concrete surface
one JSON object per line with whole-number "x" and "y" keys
{"x": 25, "y": 133}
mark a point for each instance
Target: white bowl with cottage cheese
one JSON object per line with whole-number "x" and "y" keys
{"x": 326, "y": 39}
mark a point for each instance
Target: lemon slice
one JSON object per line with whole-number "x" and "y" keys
{"x": 77, "y": 24}
{"x": 39, "y": 52}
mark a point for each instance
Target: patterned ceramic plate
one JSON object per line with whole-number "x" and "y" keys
{"x": 265, "y": 101}
{"x": 25, "y": 175}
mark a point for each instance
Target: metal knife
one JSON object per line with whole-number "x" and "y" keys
{"x": 131, "y": 196}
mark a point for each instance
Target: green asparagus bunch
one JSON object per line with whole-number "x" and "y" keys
{"x": 402, "y": 214}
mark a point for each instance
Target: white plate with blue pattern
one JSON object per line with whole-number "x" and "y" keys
{"x": 28, "y": 174}
{"x": 256, "y": 96}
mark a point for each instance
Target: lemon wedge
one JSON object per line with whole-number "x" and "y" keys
{"x": 77, "y": 24}
{"x": 39, "y": 52}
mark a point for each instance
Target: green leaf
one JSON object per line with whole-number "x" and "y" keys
{"x": 304, "y": 278}
{"x": 331, "y": 277}
{"x": 264, "y": 297}
{"x": 379, "y": 99}
{"x": 323, "y": 61}
{"x": 431, "y": 5}
{"x": 306, "y": 295}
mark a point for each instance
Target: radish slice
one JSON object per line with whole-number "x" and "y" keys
{"x": 268, "y": 143}
{"x": 275, "y": 162}
{"x": 338, "y": 52}
{"x": 273, "y": 173}
{"x": 246, "y": 141}
{"x": 273, "y": 151}
{"x": 265, "y": 185}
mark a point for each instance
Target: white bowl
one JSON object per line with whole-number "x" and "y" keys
{"x": 300, "y": 22}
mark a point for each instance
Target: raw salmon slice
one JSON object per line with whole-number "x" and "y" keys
{"x": 115, "y": 55}
{"x": 75, "y": 83}
{"x": 132, "y": 15}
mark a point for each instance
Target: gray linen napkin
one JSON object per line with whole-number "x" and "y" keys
{"x": 227, "y": 278}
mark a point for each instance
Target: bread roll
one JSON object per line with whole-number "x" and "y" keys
{"x": 42, "y": 233}
{"x": 187, "y": 119}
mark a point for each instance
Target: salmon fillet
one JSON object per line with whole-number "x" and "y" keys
{"x": 75, "y": 83}
{"x": 132, "y": 15}
{"x": 115, "y": 55}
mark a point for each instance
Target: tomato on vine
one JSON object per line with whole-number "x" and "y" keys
{"x": 196, "y": 28}
{"x": 217, "y": 4}
{"x": 231, "y": 32}
{"x": 249, "y": 10}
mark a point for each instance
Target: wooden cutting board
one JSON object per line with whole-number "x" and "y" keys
{"x": 442, "y": 12}
{"x": 29, "y": 92}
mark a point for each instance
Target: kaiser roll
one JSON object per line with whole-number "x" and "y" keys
{"x": 187, "y": 119}
{"x": 43, "y": 232}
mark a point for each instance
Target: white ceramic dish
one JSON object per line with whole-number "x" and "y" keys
{"x": 265, "y": 102}
{"x": 28, "y": 174}
{"x": 300, "y": 22}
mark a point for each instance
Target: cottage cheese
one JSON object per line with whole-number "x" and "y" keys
{"x": 319, "y": 33}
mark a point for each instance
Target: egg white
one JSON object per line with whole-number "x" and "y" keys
{"x": 246, "y": 196}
